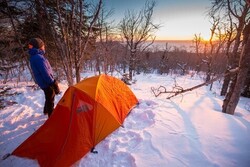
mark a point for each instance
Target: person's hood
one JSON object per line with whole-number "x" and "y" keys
{"x": 34, "y": 51}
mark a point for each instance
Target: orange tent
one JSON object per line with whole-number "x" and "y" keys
{"x": 87, "y": 113}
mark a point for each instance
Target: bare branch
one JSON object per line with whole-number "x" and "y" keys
{"x": 161, "y": 89}
{"x": 179, "y": 90}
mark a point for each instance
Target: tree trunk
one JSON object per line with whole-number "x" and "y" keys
{"x": 246, "y": 91}
{"x": 78, "y": 74}
{"x": 225, "y": 84}
{"x": 131, "y": 64}
{"x": 98, "y": 65}
{"x": 233, "y": 59}
{"x": 233, "y": 96}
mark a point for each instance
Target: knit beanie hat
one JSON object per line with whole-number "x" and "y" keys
{"x": 36, "y": 43}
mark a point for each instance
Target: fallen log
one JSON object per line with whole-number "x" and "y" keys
{"x": 161, "y": 89}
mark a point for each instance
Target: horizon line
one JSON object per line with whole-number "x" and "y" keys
{"x": 163, "y": 40}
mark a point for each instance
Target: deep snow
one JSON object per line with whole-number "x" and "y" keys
{"x": 188, "y": 130}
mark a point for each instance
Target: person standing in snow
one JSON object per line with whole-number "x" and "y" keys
{"x": 42, "y": 72}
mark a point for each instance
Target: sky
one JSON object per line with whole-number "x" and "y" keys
{"x": 179, "y": 19}
{"x": 187, "y": 131}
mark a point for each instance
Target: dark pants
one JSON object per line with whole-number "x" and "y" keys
{"x": 49, "y": 100}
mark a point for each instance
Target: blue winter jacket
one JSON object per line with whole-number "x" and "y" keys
{"x": 41, "y": 68}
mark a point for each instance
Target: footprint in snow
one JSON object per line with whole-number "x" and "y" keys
{"x": 140, "y": 119}
{"x": 128, "y": 140}
{"x": 122, "y": 158}
{"x": 146, "y": 104}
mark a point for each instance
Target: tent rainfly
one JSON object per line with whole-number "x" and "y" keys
{"x": 87, "y": 113}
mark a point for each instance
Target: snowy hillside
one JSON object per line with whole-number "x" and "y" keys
{"x": 188, "y": 130}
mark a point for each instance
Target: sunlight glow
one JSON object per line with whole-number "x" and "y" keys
{"x": 205, "y": 37}
{"x": 181, "y": 20}
{"x": 178, "y": 20}
{"x": 184, "y": 29}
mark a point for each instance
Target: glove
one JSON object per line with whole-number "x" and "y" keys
{"x": 56, "y": 87}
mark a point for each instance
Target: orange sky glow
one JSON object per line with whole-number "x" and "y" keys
{"x": 178, "y": 19}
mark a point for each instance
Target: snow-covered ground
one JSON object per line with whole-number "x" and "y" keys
{"x": 188, "y": 130}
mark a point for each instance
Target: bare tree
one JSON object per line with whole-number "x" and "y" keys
{"x": 11, "y": 16}
{"x": 73, "y": 27}
{"x": 216, "y": 47}
{"x": 230, "y": 36}
{"x": 198, "y": 46}
{"x": 164, "y": 66}
{"x": 136, "y": 29}
{"x": 236, "y": 88}
{"x": 239, "y": 10}
{"x": 104, "y": 55}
